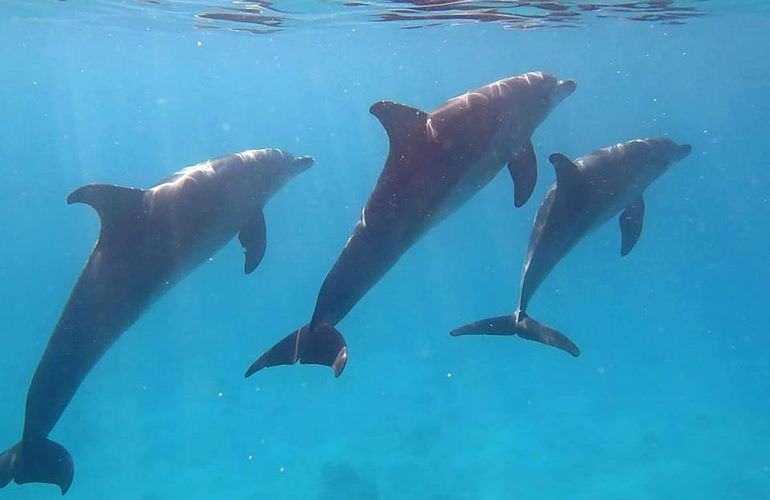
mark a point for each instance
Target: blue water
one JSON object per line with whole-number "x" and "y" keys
{"x": 669, "y": 399}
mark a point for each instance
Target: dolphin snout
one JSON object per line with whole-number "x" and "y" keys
{"x": 562, "y": 90}
{"x": 302, "y": 163}
{"x": 683, "y": 151}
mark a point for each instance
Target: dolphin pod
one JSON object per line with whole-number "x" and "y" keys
{"x": 587, "y": 193}
{"x": 437, "y": 162}
{"x": 151, "y": 239}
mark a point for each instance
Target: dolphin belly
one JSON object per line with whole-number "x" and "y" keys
{"x": 369, "y": 253}
{"x": 107, "y": 299}
{"x": 554, "y": 243}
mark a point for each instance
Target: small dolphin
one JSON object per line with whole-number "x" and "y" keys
{"x": 437, "y": 161}
{"x": 587, "y": 193}
{"x": 150, "y": 239}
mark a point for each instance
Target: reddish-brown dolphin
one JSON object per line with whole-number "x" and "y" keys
{"x": 437, "y": 161}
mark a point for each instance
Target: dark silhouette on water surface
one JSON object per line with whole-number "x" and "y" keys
{"x": 510, "y": 14}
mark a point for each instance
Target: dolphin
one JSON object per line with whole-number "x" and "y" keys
{"x": 150, "y": 240}
{"x": 437, "y": 161}
{"x": 587, "y": 193}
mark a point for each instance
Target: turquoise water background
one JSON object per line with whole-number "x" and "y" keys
{"x": 669, "y": 399}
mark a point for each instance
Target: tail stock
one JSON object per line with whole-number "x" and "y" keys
{"x": 522, "y": 325}
{"x": 37, "y": 461}
{"x": 319, "y": 345}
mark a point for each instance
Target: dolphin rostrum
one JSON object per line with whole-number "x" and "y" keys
{"x": 587, "y": 193}
{"x": 150, "y": 239}
{"x": 437, "y": 161}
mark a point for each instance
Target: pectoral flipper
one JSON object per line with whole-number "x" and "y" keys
{"x": 631, "y": 223}
{"x": 253, "y": 238}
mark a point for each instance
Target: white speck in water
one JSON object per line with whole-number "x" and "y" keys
{"x": 281, "y": 469}
{"x": 705, "y": 131}
{"x": 226, "y": 127}
{"x": 34, "y": 82}
{"x": 211, "y": 259}
{"x": 257, "y": 389}
{"x": 220, "y": 394}
{"x": 199, "y": 43}
{"x": 449, "y": 375}
{"x": 251, "y": 457}
{"x": 261, "y": 441}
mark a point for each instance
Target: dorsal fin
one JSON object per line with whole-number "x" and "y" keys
{"x": 400, "y": 121}
{"x": 566, "y": 170}
{"x": 112, "y": 203}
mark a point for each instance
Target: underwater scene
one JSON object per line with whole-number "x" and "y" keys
{"x": 385, "y": 249}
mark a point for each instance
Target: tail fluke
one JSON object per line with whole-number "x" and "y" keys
{"x": 40, "y": 461}
{"x": 522, "y": 325}
{"x": 322, "y": 345}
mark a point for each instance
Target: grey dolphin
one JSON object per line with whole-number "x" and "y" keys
{"x": 437, "y": 161}
{"x": 150, "y": 239}
{"x": 587, "y": 193}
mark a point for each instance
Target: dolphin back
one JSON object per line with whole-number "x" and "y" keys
{"x": 37, "y": 461}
